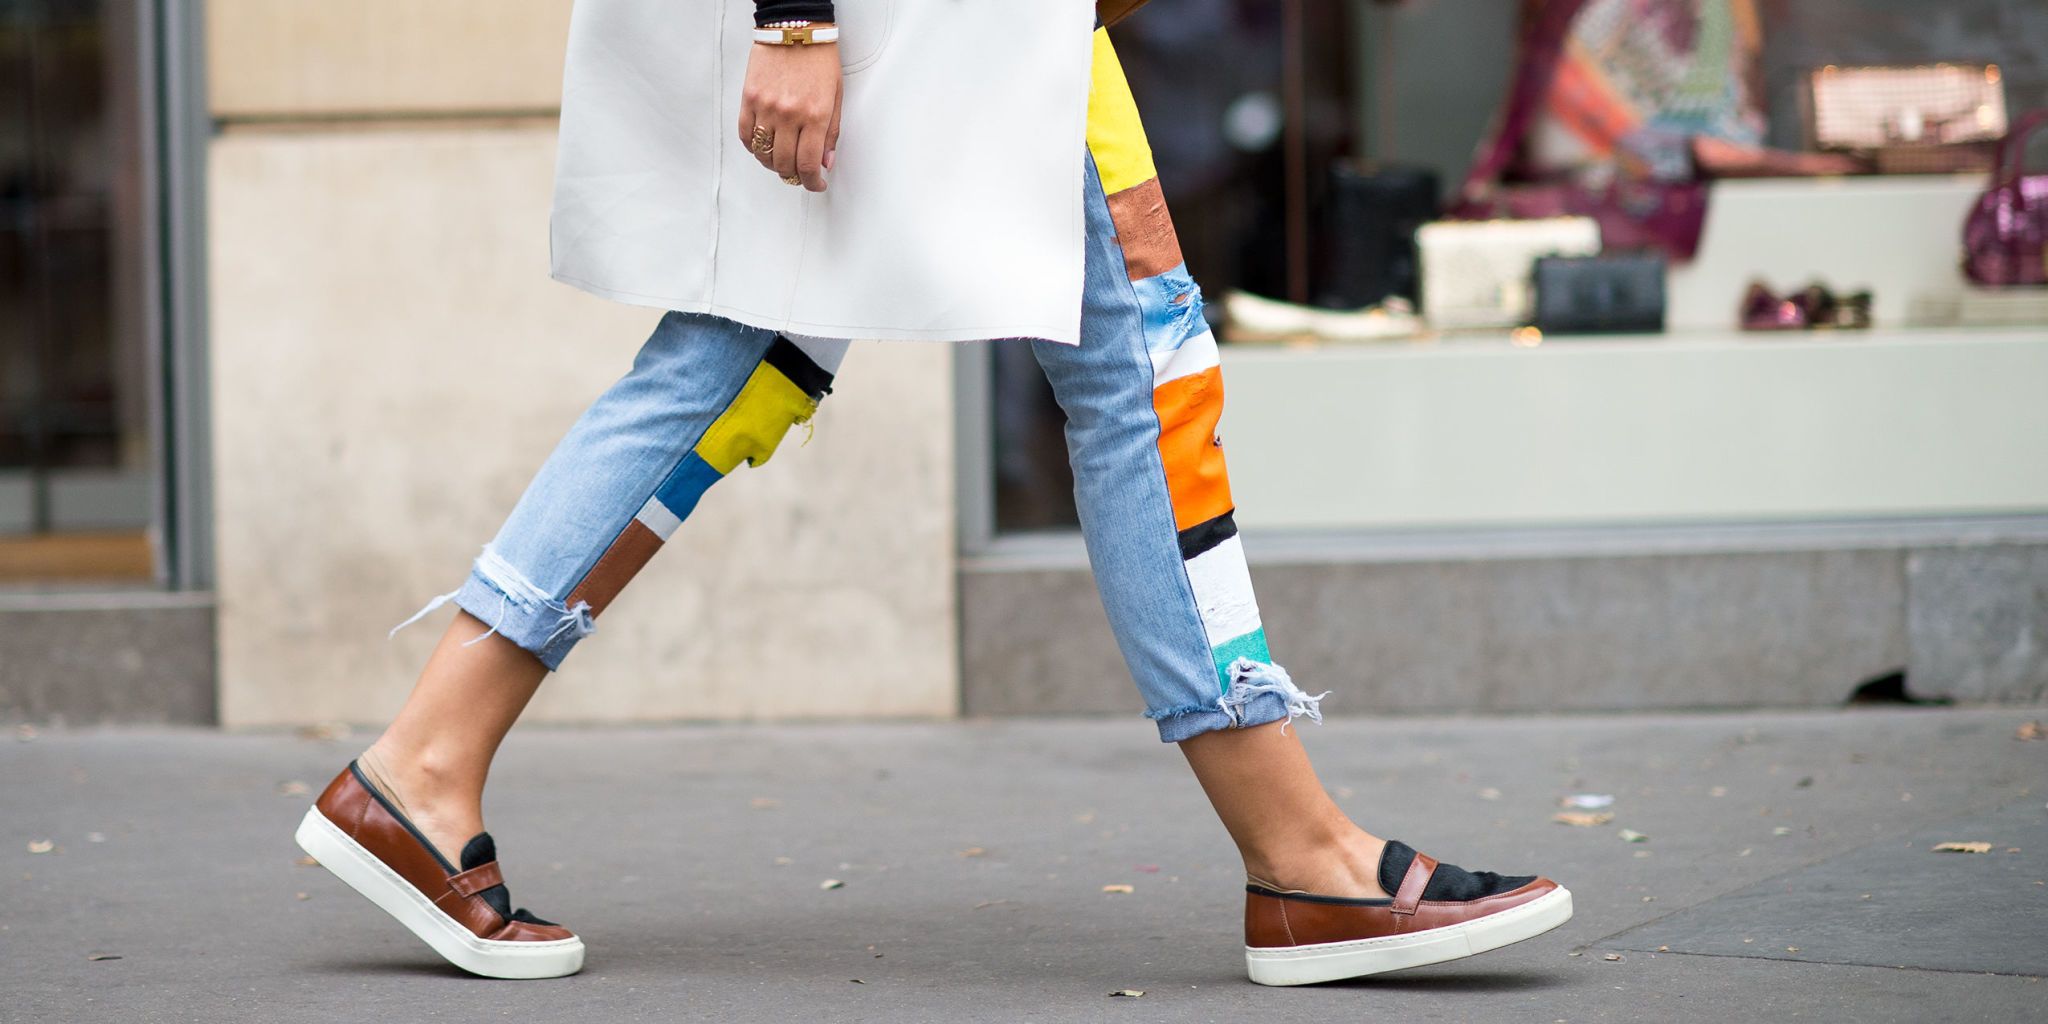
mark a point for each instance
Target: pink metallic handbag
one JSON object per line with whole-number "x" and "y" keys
{"x": 2005, "y": 238}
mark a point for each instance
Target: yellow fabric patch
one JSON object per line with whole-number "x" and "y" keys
{"x": 1116, "y": 137}
{"x": 750, "y": 428}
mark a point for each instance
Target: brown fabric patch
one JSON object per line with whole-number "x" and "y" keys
{"x": 1145, "y": 230}
{"x": 621, "y": 561}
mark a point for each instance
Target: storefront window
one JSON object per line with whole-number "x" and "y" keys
{"x": 1686, "y": 262}
{"x": 77, "y": 472}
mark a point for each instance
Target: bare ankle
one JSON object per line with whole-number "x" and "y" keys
{"x": 1346, "y": 864}
{"x": 448, "y": 809}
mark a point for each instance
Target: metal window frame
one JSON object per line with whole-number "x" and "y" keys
{"x": 175, "y": 109}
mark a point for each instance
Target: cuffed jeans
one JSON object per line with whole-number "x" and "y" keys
{"x": 1143, "y": 393}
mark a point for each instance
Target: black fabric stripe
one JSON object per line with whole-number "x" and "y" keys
{"x": 1201, "y": 537}
{"x": 1303, "y": 897}
{"x": 798, "y": 367}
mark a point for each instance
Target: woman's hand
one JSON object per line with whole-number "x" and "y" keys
{"x": 792, "y": 95}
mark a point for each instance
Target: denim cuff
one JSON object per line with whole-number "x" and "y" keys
{"x": 545, "y": 629}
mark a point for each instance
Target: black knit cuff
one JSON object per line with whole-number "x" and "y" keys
{"x": 766, "y": 11}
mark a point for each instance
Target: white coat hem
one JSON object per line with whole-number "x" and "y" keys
{"x": 1067, "y": 335}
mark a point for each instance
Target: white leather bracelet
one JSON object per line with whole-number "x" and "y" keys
{"x": 804, "y": 35}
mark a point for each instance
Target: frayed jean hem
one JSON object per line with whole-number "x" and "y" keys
{"x": 546, "y": 630}
{"x": 1259, "y": 694}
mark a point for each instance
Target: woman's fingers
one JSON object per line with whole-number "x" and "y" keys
{"x": 790, "y": 107}
{"x": 832, "y": 135}
{"x": 810, "y": 156}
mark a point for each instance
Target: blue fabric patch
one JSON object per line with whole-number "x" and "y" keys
{"x": 1172, "y": 308}
{"x": 691, "y": 478}
{"x": 1251, "y": 645}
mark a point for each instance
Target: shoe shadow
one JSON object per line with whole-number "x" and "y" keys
{"x": 425, "y": 966}
{"x": 1454, "y": 981}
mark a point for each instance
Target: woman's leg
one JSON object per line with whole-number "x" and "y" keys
{"x": 1143, "y": 393}
{"x": 705, "y": 395}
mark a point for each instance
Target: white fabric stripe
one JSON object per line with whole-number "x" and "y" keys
{"x": 1223, "y": 592}
{"x": 655, "y": 516}
{"x": 826, "y": 352}
{"x": 1193, "y": 356}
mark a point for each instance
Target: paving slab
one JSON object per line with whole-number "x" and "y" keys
{"x": 974, "y": 856}
{"x": 1896, "y": 903}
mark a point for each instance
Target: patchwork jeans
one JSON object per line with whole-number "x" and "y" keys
{"x": 1143, "y": 393}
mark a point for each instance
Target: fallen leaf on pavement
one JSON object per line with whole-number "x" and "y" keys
{"x": 1583, "y": 819}
{"x": 857, "y": 981}
{"x": 1962, "y": 848}
{"x": 1127, "y": 993}
{"x": 2030, "y": 731}
{"x": 41, "y": 846}
{"x": 1489, "y": 793}
{"x": 1781, "y": 830}
{"x": 1587, "y": 801}
{"x": 1663, "y": 949}
{"x": 1718, "y": 791}
{"x": 307, "y": 862}
{"x": 103, "y": 956}
{"x": 1612, "y": 957}
{"x": 1629, "y": 835}
{"x": 323, "y": 731}
{"x": 293, "y": 788}
{"x": 303, "y": 896}
{"x": 764, "y": 803}
{"x": 831, "y": 883}
{"x": 1127, "y": 889}
{"x": 1791, "y": 949}
{"x": 1152, "y": 869}
{"x": 973, "y": 851}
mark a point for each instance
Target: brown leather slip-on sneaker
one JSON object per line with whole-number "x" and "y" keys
{"x": 466, "y": 915}
{"x": 1439, "y": 912}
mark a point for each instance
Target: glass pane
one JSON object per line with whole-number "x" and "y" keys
{"x": 76, "y": 470}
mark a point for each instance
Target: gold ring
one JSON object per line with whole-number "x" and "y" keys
{"x": 792, "y": 180}
{"x": 764, "y": 140}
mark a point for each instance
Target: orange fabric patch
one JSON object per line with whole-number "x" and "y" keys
{"x": 1145, "y": 230}
{"x": 621, "y": 562}
{"x": 1189, "y": 409}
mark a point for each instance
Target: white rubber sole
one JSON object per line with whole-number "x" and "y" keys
{"x": 1334, "y": 961}
{"x": 387, "y": 889}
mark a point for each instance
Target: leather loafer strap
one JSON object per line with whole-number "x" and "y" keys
{"x": 477, "y": 879}
{"x": 1414, "y": 882}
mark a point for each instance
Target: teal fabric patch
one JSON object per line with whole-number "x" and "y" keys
{"x": 1251, "y": 645}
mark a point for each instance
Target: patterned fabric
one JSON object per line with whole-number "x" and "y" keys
{"x": 1187, "y": 380}
{"x": 781, "y": 392}
{"x": 1640, "y": 77}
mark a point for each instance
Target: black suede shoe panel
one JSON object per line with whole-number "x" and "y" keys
{"x": 1451, "y": 883}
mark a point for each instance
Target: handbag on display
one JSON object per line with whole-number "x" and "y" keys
{"x": 1477, "y": 273}
{"x": 2005, "y": 236}
{"x": 1600, "y": 294}
{"x": 1372, "y": 214}
{"x": 1931, "y": 119}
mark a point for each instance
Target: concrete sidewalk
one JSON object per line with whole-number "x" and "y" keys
{"x": 1786, "y": 876}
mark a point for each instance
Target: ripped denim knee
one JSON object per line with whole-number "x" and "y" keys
{"x": 1259, "y": 693}
{"x": 504, "y": 599}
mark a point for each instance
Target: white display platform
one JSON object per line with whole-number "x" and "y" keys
{"x": 1901, "y": 236}
{"x": 1685, "y": 428}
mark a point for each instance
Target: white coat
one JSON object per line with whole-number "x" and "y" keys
{"x": 953, "y": 210}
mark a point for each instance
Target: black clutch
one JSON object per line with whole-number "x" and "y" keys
{"x": 1600, "y": 294}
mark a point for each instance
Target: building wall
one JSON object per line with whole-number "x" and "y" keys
{"x": 391, "y": 363}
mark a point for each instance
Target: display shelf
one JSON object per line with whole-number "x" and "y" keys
{"x": 1471, "y": 430}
